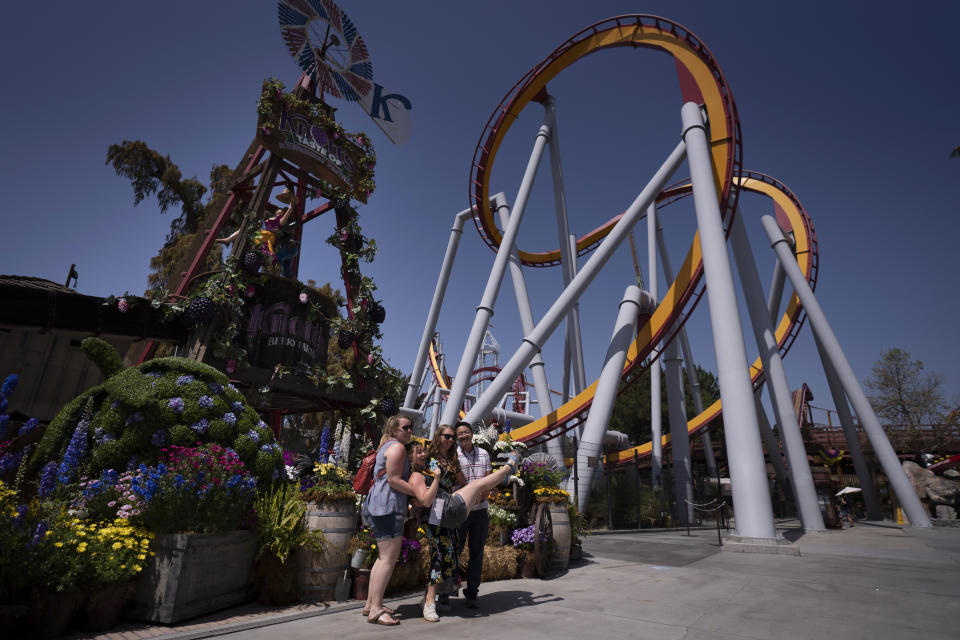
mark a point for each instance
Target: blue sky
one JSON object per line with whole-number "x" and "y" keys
{"x": 851, "y": 104}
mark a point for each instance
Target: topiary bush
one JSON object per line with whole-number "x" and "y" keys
{"x": 140, "y": 410}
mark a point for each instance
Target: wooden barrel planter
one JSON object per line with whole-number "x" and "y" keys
{"x": 561, "y": 535}
{"x": 317, "y": 572}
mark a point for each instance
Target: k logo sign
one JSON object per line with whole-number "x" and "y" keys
{"x": 390, "y": 111}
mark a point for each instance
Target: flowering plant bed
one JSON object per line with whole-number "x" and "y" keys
{"x": 327, "y": 483}
{"x": 550, "y": 494}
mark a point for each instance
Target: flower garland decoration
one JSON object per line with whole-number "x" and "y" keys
{"x": 550, "y": 494}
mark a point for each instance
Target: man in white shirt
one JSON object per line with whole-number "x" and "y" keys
{"x": 475, "y": 463}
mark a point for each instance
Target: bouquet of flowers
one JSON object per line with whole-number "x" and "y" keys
{"x": 328, "y": 482}
{"x": 506, "y": 444}
{"x": 540, "y": 474}
{"x": 501, "y": 518}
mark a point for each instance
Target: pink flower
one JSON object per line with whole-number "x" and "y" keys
{"x": 112, "y": 503}
{"x": 231, "y": 289}
{"x": 251, "y": 291}
{"x": 231, "y": 365}
{"x": 370, "y": 359}
{"x": 303, "y": 298}
{"x": 122, "y": 305}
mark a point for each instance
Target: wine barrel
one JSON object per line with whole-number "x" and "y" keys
{"x": 561, "y": 536}
{"x": 317, "y": 572}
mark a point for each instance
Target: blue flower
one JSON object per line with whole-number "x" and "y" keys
{"x": 237, "y": 407}
{"x": 176, "y": 404}
{"x": 76, "y": 450}
{"x": 159, "y": 438}
{"x": 229, "y": 418}
{"x": 154, "y": 374}
{"x": 21, "y": 515}
{"x": 4, "y": 419}
{"x": 9, "y": 384}
{"x": 28, "y": 426}
{"x": 48, "y": 479}
{"x": 182, "y": 380}
{"x": 201, "y": 427}
{"x": 205, "y": 402}
{"x": 215, "y": 387}
{"x": 266, "y": 447}
{"x": 253, "y": 435}
{"x": 38, "y": 534}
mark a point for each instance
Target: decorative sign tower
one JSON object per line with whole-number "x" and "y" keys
{"x": 253, "y": 318}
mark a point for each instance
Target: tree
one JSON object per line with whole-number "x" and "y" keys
{"x": 631, "y": 412}
{"x": 908, "y": 401}
{"x": 153, "y": 174}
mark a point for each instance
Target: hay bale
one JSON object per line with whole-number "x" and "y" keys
{"x": 499, "y": 563}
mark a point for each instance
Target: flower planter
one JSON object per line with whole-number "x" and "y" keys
{"x": 277, "y": 580}
{"x": 103, "y": 606}
{"x": 358, "y": 558}
{"x": 49, "y": 611}
{"x": 361, "y": 582}
{"x": 193, "y": 574}
{"x": 560, "y": 518}
{"x": 318, "y": 572}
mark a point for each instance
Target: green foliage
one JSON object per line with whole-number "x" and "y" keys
{"x": 909, "y": 401}
{"x": 281, "y": 523}
{"x": 631, "y": 412}
{"x": 164, "y": 401}
{"x": 103, "y": 355}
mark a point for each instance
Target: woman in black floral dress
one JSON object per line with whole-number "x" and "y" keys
{"x": 442, "y": 462}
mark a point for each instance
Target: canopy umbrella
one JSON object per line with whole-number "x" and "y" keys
{"x": 848, "y": 490}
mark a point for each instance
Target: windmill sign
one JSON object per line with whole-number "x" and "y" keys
{"x": 327, "y": 47}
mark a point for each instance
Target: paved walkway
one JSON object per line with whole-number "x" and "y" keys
{"x": 876, "y": 580}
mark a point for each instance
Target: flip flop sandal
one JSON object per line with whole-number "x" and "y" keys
{"x": 376, "y": 619}
{"x": 366, "y": 612}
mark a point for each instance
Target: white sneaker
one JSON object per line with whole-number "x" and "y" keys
{"x": 430, "y": 612}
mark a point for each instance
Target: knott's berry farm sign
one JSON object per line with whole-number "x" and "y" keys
{"x": 297, "y": 139}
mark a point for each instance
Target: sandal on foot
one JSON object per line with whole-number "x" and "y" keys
{"x": 366, "y": 612}
{"x": 378, "y": 619}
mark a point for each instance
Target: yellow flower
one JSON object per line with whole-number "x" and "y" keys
{"x": 123, "y": 566}
{"x": 82, "y": 547}
{"x": 116, "y": 545}
{"x": 137, "y": 567}
{"x": 58, "y": 544}
{"x": 142, "y": 556}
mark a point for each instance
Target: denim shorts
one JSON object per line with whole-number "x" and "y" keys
{"x": 386, "y": 527}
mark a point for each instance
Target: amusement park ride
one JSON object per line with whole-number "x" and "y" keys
{"x": 299, "y": 147}
{"x": 649, "y": 325}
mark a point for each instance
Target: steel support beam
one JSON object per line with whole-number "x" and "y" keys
{"x": 851, "y": 386}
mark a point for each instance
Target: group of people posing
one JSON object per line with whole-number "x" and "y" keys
{"x": 448, "y": 484}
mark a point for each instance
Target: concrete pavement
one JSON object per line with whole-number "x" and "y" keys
{"x": 876, "y": 580}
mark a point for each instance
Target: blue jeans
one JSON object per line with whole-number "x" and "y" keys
{"x": 476, "y": 529}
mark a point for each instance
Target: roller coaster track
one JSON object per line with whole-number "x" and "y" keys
{"x": 701, "y": 81}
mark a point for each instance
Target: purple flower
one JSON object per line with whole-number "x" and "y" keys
{"x": 76, "y": 450}
{"x": 39, "y": 533}
{"x": 253, "y": 435}
{"x": 303, "y": 298}
{"x": 4, "y": 419}
{"x": 215, "y": 387}
{"x": 154, "y": 374}
{"x": 205, "y": 402}
{"x": 229, "y": 418}
{"x": 48, "y": 479}
{"x": 237, "y": 407}
{"x": 201, "y": 427}
{"x": 182, "y": 380}
{"x": 176, "y": 404}
{"x": 159, "y": 438}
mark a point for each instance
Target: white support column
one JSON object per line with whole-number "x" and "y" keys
{"x": 419, "y": 364}
{"x": 537, "y": 368}
{"x": 679, "y": 440}
{"x": 688, "y": 359}
{"x": 870, "y": 499}
{"x": 532, "y": 343}
{"x": 748, "y": 475}
{"x": 656, "y": 408}
{"x": 801, "y": 480}
{"x": 851, "y": 386}
{"x": 485, "y": 309}
{"x": 634, "y": 301}
{"x": 437, "y": 408}
{"x": 770, "y": 442}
